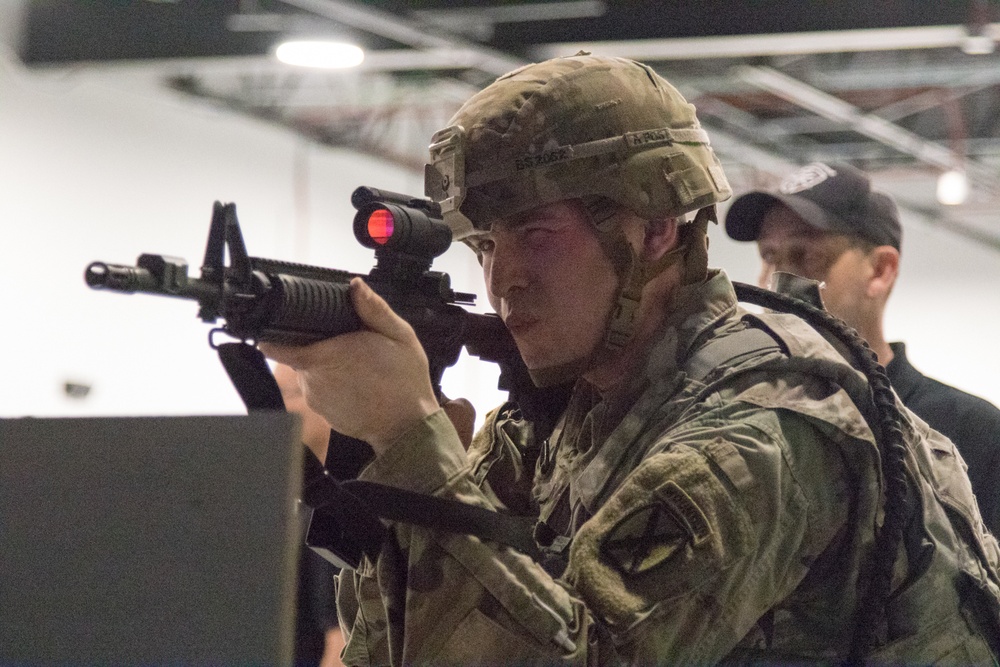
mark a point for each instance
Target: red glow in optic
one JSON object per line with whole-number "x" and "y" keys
{"x": 380, "y": 226}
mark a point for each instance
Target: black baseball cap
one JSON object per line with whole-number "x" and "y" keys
{"x": 832, "y": 197}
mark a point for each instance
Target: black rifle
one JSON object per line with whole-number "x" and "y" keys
{"x": 285, "y": 302}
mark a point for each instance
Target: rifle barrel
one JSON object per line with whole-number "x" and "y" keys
{"x": 131, "y": 279}
{"x": 121, "y": 278}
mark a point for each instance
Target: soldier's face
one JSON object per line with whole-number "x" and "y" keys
{"x": 786, "y": 243}
{"x": 550, "y": 281}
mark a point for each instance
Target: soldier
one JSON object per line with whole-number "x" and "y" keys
{"x": 825, "y": 222}
{"x": 711, "y": 492}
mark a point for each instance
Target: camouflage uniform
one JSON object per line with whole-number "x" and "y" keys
{"x": 716, "y": 514}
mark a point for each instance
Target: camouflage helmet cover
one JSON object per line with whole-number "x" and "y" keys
{"x": 571, "y": 127}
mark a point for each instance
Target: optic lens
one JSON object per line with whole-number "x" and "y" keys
{"x": 380, "y": 226}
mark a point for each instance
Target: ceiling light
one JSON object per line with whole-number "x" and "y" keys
{"x": 978, "y": 45}
{"x": 952, "y": 187}
{"x": 322, "y": 54}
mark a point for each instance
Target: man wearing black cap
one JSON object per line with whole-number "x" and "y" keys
{"x": 826, "y": 223}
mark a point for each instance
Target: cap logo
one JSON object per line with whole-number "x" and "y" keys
{"x": 808, "y": 177}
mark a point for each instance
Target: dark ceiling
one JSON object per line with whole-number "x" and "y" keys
{"x": 905, "y": 89}
{"x": 60, "y": 31}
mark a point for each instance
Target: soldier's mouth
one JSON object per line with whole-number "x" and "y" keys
{"x": 518, "y": 324}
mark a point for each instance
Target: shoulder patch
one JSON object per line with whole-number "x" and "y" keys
{"x": 652, "y": 534}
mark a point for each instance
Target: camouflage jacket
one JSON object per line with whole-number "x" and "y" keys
{"x": 697, "y": 516}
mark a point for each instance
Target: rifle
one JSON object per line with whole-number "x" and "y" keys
{"x": 271, "y": 300}
{"x": 285, "y": 302}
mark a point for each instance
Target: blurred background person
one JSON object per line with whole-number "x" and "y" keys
{"x": 318, "y": 640}
{"x": 824, "y": 222}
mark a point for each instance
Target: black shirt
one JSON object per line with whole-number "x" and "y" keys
{"x": 316, "y": 610}
{"x": 970, "y": 422}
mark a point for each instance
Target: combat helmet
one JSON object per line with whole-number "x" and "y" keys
{"x": 596, "y": 128}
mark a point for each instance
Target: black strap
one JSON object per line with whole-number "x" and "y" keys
{"x": 345, "y": 522}
{"x": 419, "y": 509}
{"x": 251, "y": 376}
{"x": 350, "y": 527}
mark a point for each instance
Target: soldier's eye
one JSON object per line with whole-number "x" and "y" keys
{"x": 797, "y": 257}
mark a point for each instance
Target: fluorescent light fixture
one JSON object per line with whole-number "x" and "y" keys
{"x": 320, "y": 54}
{"x": 979, "y": 45}
{"x": 952, "y": 187}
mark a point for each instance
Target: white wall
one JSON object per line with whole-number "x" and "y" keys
{"x": 96, "y": 168}
{"x": 946, "y": 307}
{"x": 107, "y": 168}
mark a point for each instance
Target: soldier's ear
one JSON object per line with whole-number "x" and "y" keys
{"x": 661, "y": 237}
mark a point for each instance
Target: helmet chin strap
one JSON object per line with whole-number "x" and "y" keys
{"x": 691, "y": 251}
{"x": 634, "y": 274}
{"x": 553, "y": 375}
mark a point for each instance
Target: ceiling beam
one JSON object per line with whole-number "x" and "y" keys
{"x": 908, "y": 106}
{"x": 924, "y": 101}
{"x": 970, "y": 71}
{"x": 733, "y": 149}
{"x": 791, "y": 43}
{"x": 834, "y": 108}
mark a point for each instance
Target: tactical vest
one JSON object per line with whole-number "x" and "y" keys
{"x": 946, "y": 580}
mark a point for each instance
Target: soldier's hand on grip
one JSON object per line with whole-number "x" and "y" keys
{"x": 371, "y": 384}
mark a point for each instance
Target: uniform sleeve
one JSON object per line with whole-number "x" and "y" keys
{"x": 677, "y": 565}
